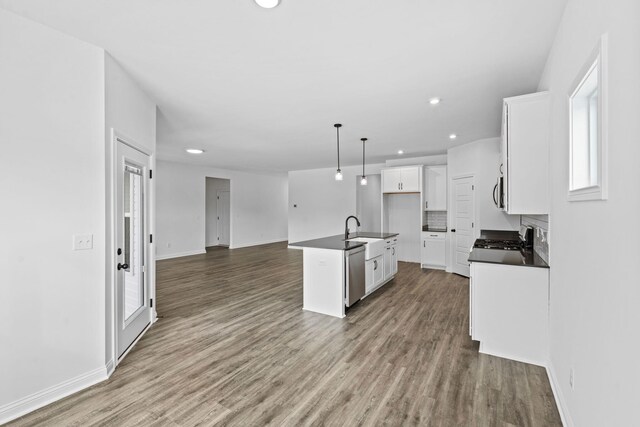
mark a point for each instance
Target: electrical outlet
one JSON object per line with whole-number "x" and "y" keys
{"x": 82, "y": 242}
{"x": 571, "y": 378}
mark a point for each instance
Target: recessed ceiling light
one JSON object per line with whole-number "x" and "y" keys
{"x": 400, "y": 152}
{"x": 453, "y": 136}
{"x": 267, "y": 4}
{"x": 194, "y": 151}
{"x": 434, "y": 101}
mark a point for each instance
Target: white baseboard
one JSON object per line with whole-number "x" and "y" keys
{"x": 111, "y": 366}
{"x": 433, "y": 267}
{"x": 490, "y": 352}
{"x": 560, "y": 402}
{"x": 258, "y": 243}
{"x": 49, "y": 395}
{"x": 180, "y": 254}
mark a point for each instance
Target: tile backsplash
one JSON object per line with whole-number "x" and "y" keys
{"x": 436, "y": 219}
{"x": 540, "y": 224}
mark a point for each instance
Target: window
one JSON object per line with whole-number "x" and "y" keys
{"x": 587, "y": 133}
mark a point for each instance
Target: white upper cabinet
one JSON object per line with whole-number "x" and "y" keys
{"x": 391, "y": 179}
{"x": 402, "y": 180}
{"x": 525, "y": 153}
{"x": 436, "y": 188}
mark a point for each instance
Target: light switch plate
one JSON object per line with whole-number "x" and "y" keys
{"x": 82, "y": 242}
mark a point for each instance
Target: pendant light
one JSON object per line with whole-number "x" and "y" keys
{"x": 363, "y": 181}
{"x": 338, "y": 172}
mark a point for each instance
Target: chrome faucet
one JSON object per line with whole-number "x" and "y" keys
{"x": 346, "y": 226}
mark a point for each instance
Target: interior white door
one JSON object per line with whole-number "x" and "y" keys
{"x": 462, "y": 229}
{"x": 224, "y": 208}
{"x": 133, "y": 306}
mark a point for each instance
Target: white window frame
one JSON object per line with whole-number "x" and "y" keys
{"x": 597, "y": 59}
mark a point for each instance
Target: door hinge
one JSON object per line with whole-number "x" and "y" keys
{"x": 472, "y": 225}
{"x": 150, "y": 174}
{"x": 150, "y": 238}
{"x": 218, "y": 238}
{"x": 151, "y": 302}
{"x": 218, "y": 197}
{"x": 218, "y": 218}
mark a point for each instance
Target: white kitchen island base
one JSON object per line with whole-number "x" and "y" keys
{"x": 323, "y": 281}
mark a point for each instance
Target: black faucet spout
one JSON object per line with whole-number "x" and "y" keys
{"x": 346, "y": 225}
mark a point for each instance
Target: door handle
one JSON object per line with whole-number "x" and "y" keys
{"x": 393, "y": 251}
{"x": 424, "y": 243}
{"x": 495, "y": 196}
{"x": 398, "y": 186}
{"x": 453, "y": 230}
{"x": 124, "y": 266}
{"x": 375, "y": 264}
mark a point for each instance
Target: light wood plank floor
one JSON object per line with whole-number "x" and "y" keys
{"x": 233, "y": 347}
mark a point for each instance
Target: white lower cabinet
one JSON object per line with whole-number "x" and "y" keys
{"x": 433, "y": 251}
{"x": 374, "y": 273}
{"x": 381, "y": 269}
{"x": 394, "y": 259}
{"x": 508, "y": 311}
{"x": 390, "y": 258}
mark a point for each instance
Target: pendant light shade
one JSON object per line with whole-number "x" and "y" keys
{"x": 338, "y": 172}
{"x": 363, "y": 181}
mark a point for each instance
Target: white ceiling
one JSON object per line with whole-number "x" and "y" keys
{"x": 261, "y": 89}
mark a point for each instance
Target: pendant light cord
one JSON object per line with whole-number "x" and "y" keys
{"x": 338, "y": 126}
{"x": 363, "y": 141}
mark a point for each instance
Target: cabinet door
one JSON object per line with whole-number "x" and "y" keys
{"x": 410, "y": 180}
{"x": 369, "y": 275}
{"x": 424, "y": 254}
{"x": 436, "y": 249}
{"x": 525, "y": 144}
{"x": 394, "y": 260}
{"x": 436, "y": 182}
{"x": 378, "y": 271}
{"x": 391, "y": 180}
{"x": 387, "y": 263}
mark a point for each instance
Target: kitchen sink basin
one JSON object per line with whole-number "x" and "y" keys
{"x": 373, "y": 247}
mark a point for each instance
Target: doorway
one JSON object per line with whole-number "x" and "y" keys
{"x": 218, "y": 212}
{"x": 132, "y": 293}
{"x": 463, "y": 223}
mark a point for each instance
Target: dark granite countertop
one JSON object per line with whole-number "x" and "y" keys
{"x": 426, "y": 228}
{"x": 524, "y": 258}
{"x": 338, "y": 243}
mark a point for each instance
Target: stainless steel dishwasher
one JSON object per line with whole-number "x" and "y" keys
{"x": 354, "y": 275}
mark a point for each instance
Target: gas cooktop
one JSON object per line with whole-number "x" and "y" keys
{"x": 508, "y": 245}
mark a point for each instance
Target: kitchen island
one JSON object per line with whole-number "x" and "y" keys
{"x": 337, "y": 272}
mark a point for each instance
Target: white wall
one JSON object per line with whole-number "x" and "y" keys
{"x": 481, "y": 159}
{"x": 213, "y": 185}
{"x": 405, "y": 217}
{"x": 132, "y": 114}
{"x": 438, "y": 159}
{"x": 52, "y": 181}
{"x": 595, "y": 291}
{"x": 322, "y": 203}
{"x": 369, "y": 202}
{"x": 258, "y": 208}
